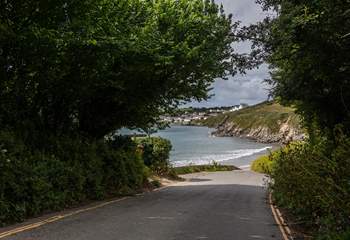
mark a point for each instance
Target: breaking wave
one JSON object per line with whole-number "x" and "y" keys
{"x": 225, "y": 156}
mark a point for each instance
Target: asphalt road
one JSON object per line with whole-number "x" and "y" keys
{"x": 216, "y": 206}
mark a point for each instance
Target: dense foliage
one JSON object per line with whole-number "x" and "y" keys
{"x": 155, "y": 153}
{"x": 263, "y": 164}
{"x": 312, "y": 180}
{"x": 73, "y": 72}
{"x": 307, "y": 45}
{"x": 95, "y": 66}
{"x": 71, "y": 172}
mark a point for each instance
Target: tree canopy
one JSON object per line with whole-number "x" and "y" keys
{"x": 307, "y": 44}
{"x": 94, "y": 66}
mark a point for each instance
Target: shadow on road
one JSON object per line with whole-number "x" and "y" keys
{"x": 198, "y": 180}
{"x": 190, "y": 212}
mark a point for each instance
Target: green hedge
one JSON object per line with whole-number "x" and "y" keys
{"x": 155, "y": 152}
{"x": 312, "y": 180}
{"x": 263, "y": 164}
{"x": 68, "y": 172}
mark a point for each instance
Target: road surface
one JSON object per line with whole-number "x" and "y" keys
{"x": 213, "y": 206}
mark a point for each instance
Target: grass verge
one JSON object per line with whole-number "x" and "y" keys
{"x": 268, "y": 115}
{"x": 203, "y": 168}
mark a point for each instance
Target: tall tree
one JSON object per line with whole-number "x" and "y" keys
{"x": 95, "y": 66}
{"x": 307, "y": 44}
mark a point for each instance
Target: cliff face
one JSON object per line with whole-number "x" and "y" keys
{"x": 286, "y": 132}
{"x": 267, "y": 122}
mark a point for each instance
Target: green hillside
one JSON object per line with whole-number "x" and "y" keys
{"x": 266, "y": 114}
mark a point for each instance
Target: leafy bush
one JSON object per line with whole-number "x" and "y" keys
{"x": 312, "y": 180}
{"x": 70, "y": 172}
{"x": 263, "y": 164}
{"x": 336, "y": 236}
{"x": 155, "y": 153}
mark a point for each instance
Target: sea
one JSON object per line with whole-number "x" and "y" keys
{"x": 195, "y": 146}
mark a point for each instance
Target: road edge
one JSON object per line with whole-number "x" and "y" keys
{"x": 57, "y": 217}
{"x": 282, "y": 225}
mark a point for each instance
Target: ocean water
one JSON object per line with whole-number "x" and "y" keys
{"x": 195, "y": 146}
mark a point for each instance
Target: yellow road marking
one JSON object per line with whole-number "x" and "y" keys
{"x": 56, "y": 218}
{"x": 277, "y": 216}
{"x": 279, "y": 220}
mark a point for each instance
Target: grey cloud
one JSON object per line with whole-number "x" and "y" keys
{"x": 249, "y": 88}
{"x": 246, "y": 11}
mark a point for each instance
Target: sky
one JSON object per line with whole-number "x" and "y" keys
{"x": 248, "y": 88}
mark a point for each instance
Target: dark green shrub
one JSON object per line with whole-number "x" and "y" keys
{"x": 155, "y": 153}
{"x": 71, "y": 171}
{"x": 335, "y": 236}
{"x": 312, "y": 180}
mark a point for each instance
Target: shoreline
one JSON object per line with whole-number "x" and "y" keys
{"x": 240, "y": 162}
{"x": 215, "y": 133}
{"x": 238, "y": 152}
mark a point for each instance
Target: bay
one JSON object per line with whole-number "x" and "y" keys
{"x": 195, "y": 146}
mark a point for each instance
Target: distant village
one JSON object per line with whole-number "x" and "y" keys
{"x": 187, "y": 116}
